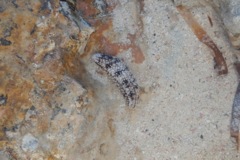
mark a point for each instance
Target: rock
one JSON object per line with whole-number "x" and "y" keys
{"x": 230, "y": 12}
{"x": 29, "y": 143}
{"x": 3, "y": 156}
{"x": 5, "y": 42}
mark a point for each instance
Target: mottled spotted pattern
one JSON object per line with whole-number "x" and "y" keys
{"x": 120, "y": 73}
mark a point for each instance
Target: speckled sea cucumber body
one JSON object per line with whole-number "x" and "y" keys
{"x": 120, "y": 73}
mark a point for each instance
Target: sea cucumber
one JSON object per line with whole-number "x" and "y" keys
{"x": 120, "y": 74}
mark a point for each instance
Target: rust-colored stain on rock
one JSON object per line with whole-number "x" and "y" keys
{"x": 43, "y": 47}
{"x": 87, "y": 8}
{"x": 17, "y": 90}
{"x": 101, "y": 39}
{"x": 99, "y": 42}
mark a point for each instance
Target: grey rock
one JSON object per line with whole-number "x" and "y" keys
{"x": 230, "y": 12}
{"x": 29, "y": 143}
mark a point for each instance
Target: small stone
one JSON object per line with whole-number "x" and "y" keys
{"x": 2, "y": 9}
{"x": 5, "y": 42}
{"x": 101, "y": 5}
{"x": 3, "y": 100}
{"x": 30, "y": 113}
{"x": 29, "y": 143}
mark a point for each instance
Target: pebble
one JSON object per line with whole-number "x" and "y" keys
{"x": 29, "y": 143}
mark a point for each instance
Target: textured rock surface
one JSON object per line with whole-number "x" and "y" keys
{"x": 230, "y": 11}
{"x": 57, "y": 104}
